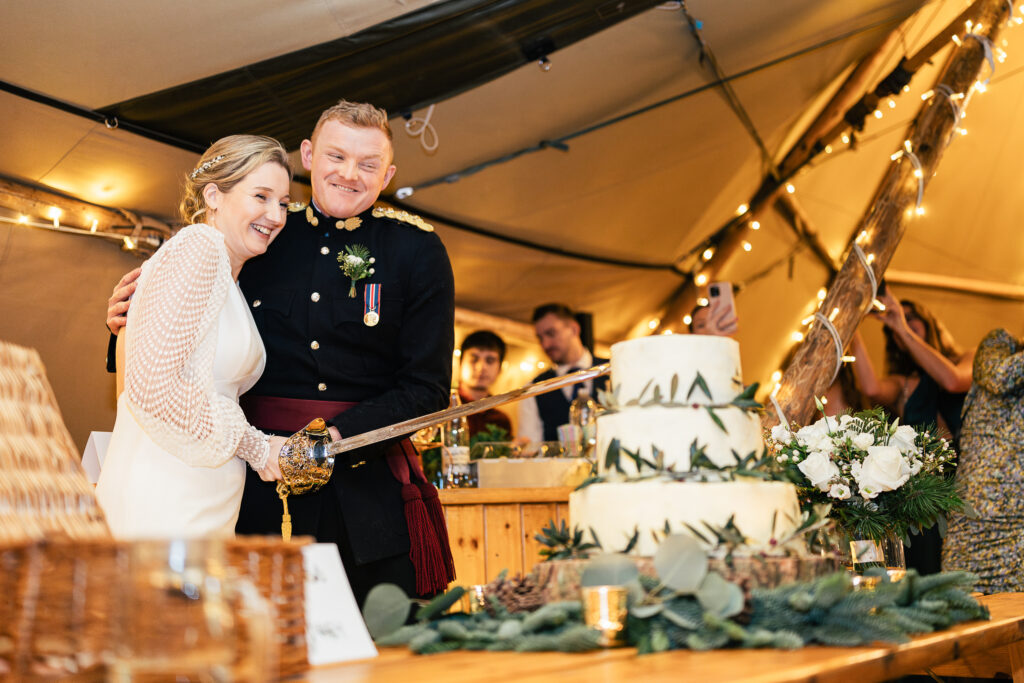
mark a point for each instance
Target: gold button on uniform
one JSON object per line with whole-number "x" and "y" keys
{"x": 315, "y": 296}
{"x": 256, "y": 303}
{"x": 321, "y": 386}
{"x": 324, "y": 250}
{"x": 315, "y": 345}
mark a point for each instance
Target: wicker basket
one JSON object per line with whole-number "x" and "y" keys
{"x": 276, "y": 569}
{"x": 60, "y": 571}
{"x": 43, "y": 489}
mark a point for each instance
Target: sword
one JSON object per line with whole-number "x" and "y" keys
{"x": 418, "y": 423}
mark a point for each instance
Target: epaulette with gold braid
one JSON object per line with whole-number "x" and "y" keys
{"x": 403, "y": 216}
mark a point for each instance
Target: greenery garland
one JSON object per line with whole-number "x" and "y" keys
{"x": 688, "y": 607}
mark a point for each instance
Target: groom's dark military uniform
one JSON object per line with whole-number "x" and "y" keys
{"x": 320, "y": 347}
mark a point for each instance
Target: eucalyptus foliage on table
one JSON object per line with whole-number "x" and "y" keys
{"x": 879, "y": 476}
{"x": 686, "y": 605}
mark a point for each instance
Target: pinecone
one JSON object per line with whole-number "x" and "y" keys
{"x": 519, "y": 594}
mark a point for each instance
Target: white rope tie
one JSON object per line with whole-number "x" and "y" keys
{"x": 867, "y": 269}
{"x": 951, "y": 97}
{"x": 420, "y": 126}
{"x": 986, "y": 45}
{"x": 917, "y": 166}
{"x": 778, "y": 411}
{"x": 835, "y": 338}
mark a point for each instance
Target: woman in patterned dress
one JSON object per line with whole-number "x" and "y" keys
{"x": 991, "y": 469}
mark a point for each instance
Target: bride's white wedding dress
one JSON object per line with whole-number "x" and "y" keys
{"x": 176, "y": 463}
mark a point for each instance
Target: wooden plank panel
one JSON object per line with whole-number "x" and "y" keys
{"x": 535, "y": 516}
{"x": 503, "y": 540}
{"x": 562, "y": 512}
{"x": 547, "y": 494}
{"x": 466, "y": 535}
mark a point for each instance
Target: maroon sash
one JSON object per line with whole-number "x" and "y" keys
{"x": 429, "y": 549}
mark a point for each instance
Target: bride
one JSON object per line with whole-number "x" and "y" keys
{"x": 176, "y": 462}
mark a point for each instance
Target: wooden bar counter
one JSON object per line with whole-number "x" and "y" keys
{"x": 811, "y": 664}
{"x": 491, "y": 529}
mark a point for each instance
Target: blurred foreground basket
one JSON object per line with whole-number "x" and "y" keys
{"x": 61, "y": 572}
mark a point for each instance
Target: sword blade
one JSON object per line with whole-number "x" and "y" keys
{"x": 418, "y": 423}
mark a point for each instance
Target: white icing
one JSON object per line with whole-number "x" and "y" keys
{"x": 614, "y": 510}
{"x": 659, "y": 357}
{"x": 672, "y": 430}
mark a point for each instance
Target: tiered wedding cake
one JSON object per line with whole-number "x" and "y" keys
{"x": 677, "y": 396}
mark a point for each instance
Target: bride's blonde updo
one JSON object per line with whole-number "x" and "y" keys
{"x": 225, "y": 164}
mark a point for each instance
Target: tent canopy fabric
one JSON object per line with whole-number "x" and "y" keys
{"x": 627, "y": 148}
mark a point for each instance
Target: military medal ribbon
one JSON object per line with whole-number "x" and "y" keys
{"x": 371, "y": 304}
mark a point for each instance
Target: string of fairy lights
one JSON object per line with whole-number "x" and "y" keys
{"x": 958, "y": 102}
{"x": 700, "y": 272}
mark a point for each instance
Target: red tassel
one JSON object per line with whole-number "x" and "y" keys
{"x": 424, "y": 550}
{"x": 433, "y": 504}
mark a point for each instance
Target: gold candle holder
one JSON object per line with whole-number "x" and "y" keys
{"x": 474, "y": 599}
{"x": 604, "y": 609}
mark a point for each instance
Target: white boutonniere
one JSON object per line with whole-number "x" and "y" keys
{"x": 357, "y": 264}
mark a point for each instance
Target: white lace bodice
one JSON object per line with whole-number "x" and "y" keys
{"x": 170, "y": 352}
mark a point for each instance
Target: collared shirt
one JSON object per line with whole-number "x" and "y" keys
{"x": 530, "y": 424}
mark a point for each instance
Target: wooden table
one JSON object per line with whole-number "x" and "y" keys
{"x": 492, "y": 529}
{"x": 817, "y": 664}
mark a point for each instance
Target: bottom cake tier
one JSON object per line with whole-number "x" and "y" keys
{"x": 614, "y": 510}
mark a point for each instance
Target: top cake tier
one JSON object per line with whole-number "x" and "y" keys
{"x": 656, "y": 359}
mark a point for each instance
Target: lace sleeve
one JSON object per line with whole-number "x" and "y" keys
{"x": 171, "y": 344}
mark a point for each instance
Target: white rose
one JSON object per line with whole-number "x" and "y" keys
{"x": 845, "y": 420}
{"x": 885, "y": 469}
{"x": 863, "y": 440}
{"x": 815, "y": 437}
{"x": 781, "y": 434}
{"x": 819, "y": 470}
{"x": 903, "y": 439}
{"x": 840, "y": 491}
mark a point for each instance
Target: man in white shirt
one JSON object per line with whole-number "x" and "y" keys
{"x": 559, "y": 335}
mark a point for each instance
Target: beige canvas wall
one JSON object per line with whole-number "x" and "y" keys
{"x": 53, "y": 297}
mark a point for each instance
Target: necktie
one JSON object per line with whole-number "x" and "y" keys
{"x": 576, "y": 388}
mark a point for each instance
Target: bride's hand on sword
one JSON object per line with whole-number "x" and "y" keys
{"x": 272, "y": 470}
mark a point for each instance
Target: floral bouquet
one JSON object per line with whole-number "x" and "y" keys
{"x": 880, "y": 478}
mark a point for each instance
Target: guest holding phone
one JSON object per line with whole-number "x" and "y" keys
{"x": 719, "y": 316}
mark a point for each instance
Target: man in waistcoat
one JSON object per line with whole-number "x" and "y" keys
{"x": 355, "y": 306}
{"x": 559, "y": 335}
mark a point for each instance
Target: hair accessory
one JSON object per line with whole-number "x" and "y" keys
{"x": 205, "y": 166}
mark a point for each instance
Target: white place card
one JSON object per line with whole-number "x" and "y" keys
{"x": 335, "y": 631}
{"x": 95, "y": 451}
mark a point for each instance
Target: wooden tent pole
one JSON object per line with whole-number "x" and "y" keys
{"x": 886, "y": 219}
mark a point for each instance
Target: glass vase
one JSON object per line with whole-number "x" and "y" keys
{"x": 183, "y": 615}
{"x": 864, "y": 554}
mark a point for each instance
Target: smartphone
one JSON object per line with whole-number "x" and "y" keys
{"x": 720, "y": 296}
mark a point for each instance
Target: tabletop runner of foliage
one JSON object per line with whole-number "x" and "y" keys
{"x": 687, "y": 606}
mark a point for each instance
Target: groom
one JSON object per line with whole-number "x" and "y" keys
{"x": 355, "y": 306}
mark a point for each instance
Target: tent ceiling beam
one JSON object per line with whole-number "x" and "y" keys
{"x": 25, "y": 199}
{"x": 795, "y": 217}
{"x": 960, "y": 285}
